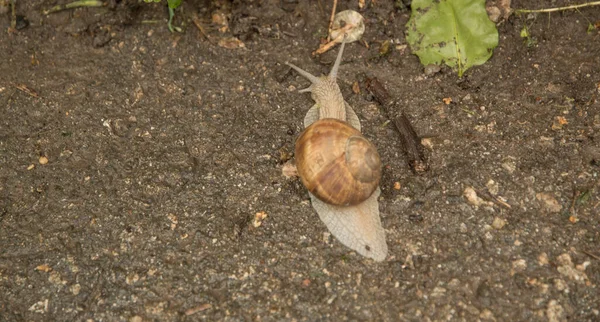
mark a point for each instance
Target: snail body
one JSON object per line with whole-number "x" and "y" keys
{"x": 340, "y": 168}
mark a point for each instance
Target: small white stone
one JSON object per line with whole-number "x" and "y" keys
{"x": 75, "y": 288}
{"x": 492, "y": 187}
{"x": 498, "y": 223}
{"x": 543, "y": 259}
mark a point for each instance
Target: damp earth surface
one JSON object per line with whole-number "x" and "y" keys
{"x": 141, "y": 170}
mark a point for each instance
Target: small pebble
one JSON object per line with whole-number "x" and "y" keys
{"x": 471, "y": 195}
{"x": 426, "y": 142}
{"x": 487, "y": 315}
{"x": 438, "y": 292}
{"x": 567, "y": 268}
{"x": 543, "y": 259}
{"x": 583, "y": 266}
{"x": 558, "y": 122}
{"x": 518, "y": 265}
{"x": 555, "y": 312}
{"x": 356, "y": 88}
{"x": 258, "y": 218}
{"x": 75, "y": 289}
{"x": 219, "y": 18}
{"x": 509, "y": 164}
{"x": 132, "y": 279}
{"x": 493, "y": 13}
{"x": 43, "y": 160}
{"x": 560, "y": 284}
{"x": 548, "y": 202}
{"x": 431, "y": 69}
{"x": 289, "y": 170}
{"x": 44, "y": 268}
{"x": 498, "y": 223}
{"x": 492, "y": 187}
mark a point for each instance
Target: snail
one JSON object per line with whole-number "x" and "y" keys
{"x": 340, "y": 168}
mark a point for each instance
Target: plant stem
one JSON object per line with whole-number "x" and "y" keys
{"x": 589, "y": 4}
{"x": 331, "y": 20}
{"x": 170, "y": 23}
{"x": 75, "y": 4}
{"x": 13, "y": 15}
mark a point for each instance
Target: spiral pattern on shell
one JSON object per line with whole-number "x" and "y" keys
{"x": 336, "y": 163}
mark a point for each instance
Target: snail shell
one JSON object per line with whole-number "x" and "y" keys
{"x": 336, "y": 163}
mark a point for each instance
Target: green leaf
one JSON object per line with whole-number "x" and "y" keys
{"x": 590, "y": 28}
{"x": 524, "y": 32}
{"x": 174, "y": 4}
{"x": 455, "y": 32}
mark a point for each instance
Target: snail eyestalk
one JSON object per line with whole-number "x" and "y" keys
{"x": 338, "y": 60}
{"x": 313, "y": 79}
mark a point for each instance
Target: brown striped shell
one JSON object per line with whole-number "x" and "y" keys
{"x": 336, "y": 163}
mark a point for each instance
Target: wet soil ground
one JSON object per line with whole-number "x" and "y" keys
{"x": 133, "y": 162}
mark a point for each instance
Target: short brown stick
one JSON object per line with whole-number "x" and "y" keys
{"x": 411, "y": 143}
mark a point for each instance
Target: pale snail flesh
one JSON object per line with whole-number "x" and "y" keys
{"x": 355, "y": 223}
{"x": 336, "y": 163}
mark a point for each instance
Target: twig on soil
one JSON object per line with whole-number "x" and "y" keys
{"x": 591, "y": 254}
{"x": 25, "y": 89}
{"x": 198, "y": 24}
{"x": 589, "y": 4}
{"x": 411, "y": 143}
{"x": 74, "y": 4}
{"x": 198, "y": 308}
{"x": 331, "y": 20}
{"x": 13, "y": 15}
{"x": 321, "y": 6}
{"x": 23, "y": 254}
{"x": 497, "y": 201}
{"x": 289, "y": 34}
{"x": 325, "y": 47}
{"x": 572, "y": 209}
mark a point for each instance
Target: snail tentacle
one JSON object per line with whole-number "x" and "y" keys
{"x": 336, "y": 65}
{"x": 312, "y": 78}
{"x": 309, "y": 89}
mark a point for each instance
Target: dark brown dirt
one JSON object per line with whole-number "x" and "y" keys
{"x": 162, "y": 147}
